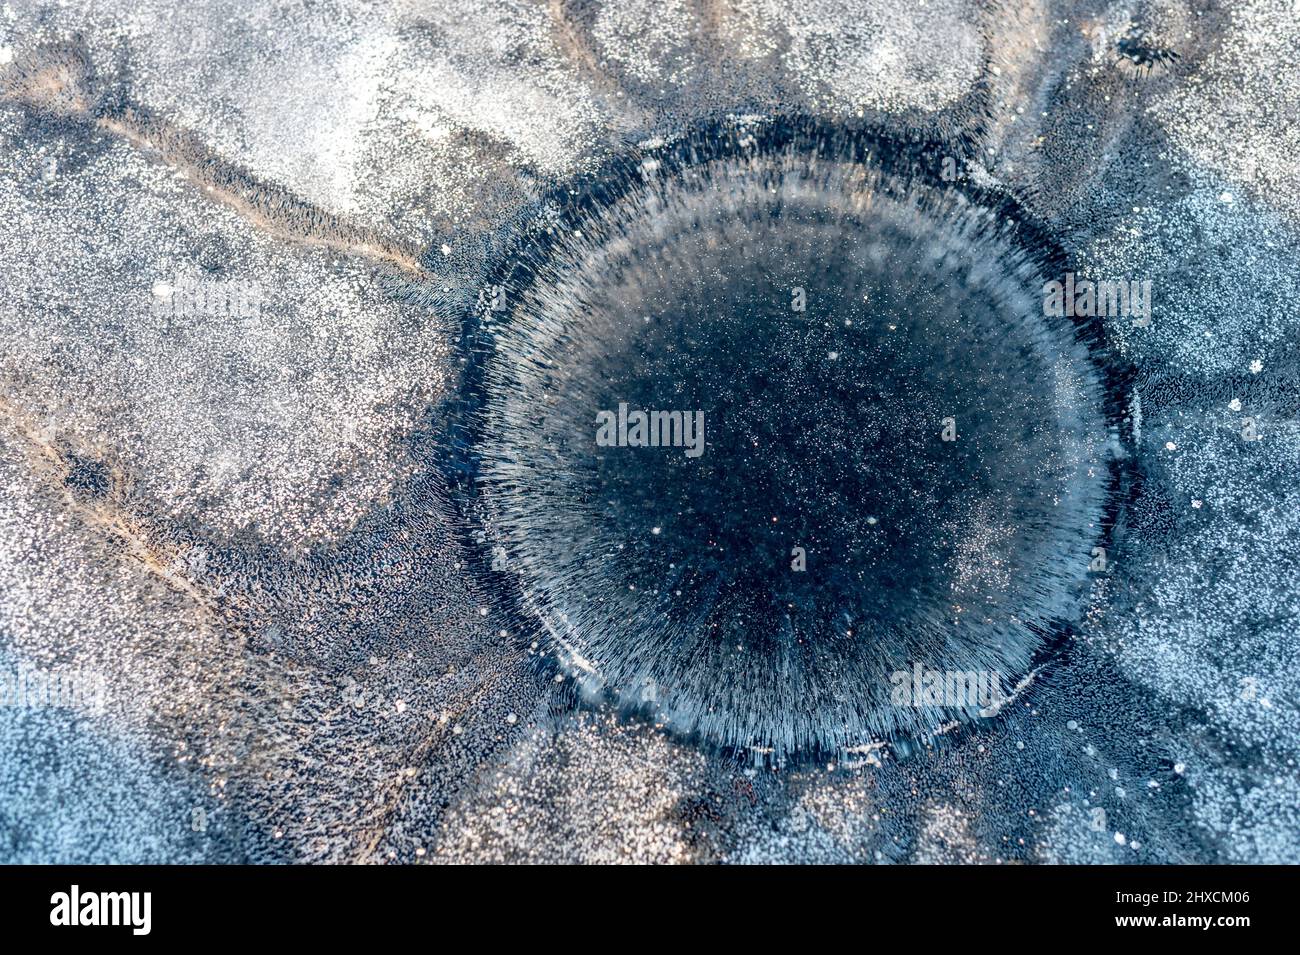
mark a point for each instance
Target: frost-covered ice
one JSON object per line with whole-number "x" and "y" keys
{"x": 234, "y": 520}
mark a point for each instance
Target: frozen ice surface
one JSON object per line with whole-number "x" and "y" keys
{"x": 232, "y": 519}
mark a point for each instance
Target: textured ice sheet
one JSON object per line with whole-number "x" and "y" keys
{"x": 236, "y": 523}
{"x": 281, "y": 420}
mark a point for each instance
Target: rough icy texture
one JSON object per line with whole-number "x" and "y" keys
{"x": 237, "y": 526}
{"x": 664, "y": 576}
